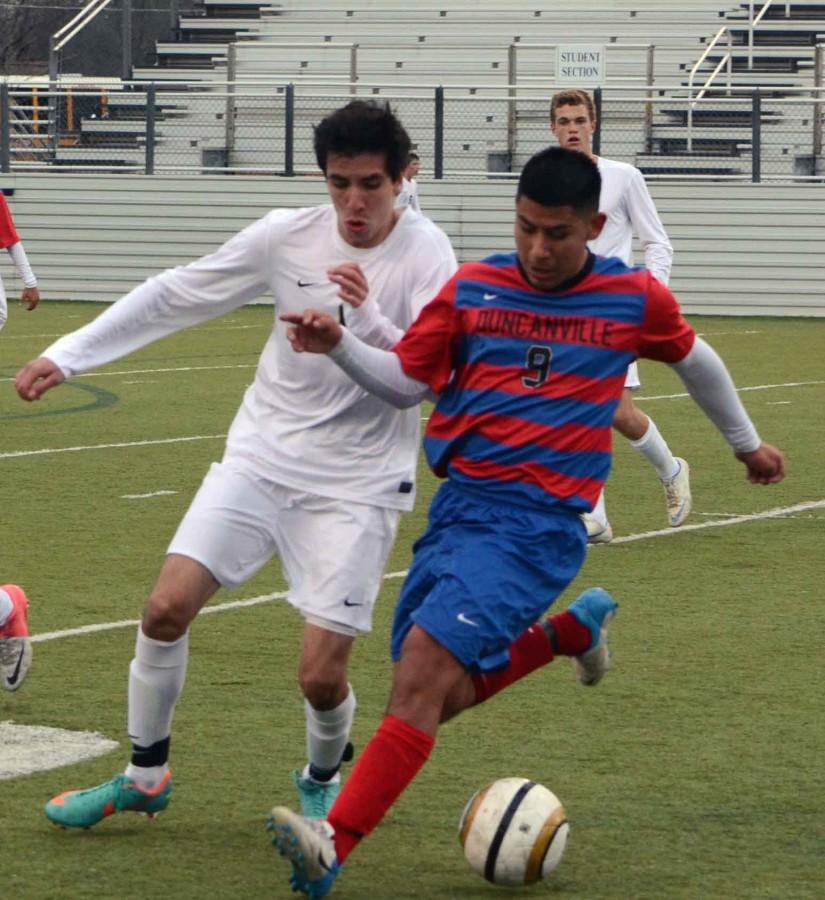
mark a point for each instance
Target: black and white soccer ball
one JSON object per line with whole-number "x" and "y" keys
{"x": 513, "y": 832}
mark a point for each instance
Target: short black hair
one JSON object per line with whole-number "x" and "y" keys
{"x": 559, "y": 177}
{"x": 363, "y": 126}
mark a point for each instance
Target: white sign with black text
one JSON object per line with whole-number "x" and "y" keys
{"x": 581, "y": 65}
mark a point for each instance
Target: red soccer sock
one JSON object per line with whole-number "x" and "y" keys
{"x": 390, "y": 761}
{"x": 528, "y": 652}
{"x": 572, "y": 638}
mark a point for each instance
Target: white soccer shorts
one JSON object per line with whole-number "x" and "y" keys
{"x": 333, "y": 552}
{"x": 631, "y": 380}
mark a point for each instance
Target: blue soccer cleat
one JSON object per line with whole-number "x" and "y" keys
{"x": 594, "y": 609}
{"x": 307, "y": 844}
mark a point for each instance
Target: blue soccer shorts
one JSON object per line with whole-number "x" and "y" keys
{"x": 483, "y": 572}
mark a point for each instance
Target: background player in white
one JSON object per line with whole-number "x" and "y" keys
{"x": 312, "y": 461}
{"x": 408, "y": 195}
{"x": 629, "y": 209}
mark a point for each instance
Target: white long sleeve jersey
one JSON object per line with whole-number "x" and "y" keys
{"x": 629, "y": 208}
{"x": 302, "y": 423}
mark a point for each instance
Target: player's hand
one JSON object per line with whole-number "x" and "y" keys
{"x": 765, "y": 465}
{"x": 31, "y": 297}
{"x": 312, "y": 331}
{"x": 37, "y": 377}
{"x": 351, "y": 281}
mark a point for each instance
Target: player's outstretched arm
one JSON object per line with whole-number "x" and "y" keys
{"x": 709, "y": 383}
{"x": 378, "y": 371}
{"x": 312, "y": 331}
{"x": 37, "y": 377}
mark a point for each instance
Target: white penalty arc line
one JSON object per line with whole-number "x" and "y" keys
{"x": 281, "y": 595}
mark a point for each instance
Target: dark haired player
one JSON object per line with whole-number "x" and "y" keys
{"x": 312, "y": 461}
{"x": 527, "y": 353}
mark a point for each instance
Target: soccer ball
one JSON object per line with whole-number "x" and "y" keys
{"x": 513, "y": 831}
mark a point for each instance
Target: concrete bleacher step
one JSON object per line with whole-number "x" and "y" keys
{"x": 699, "y": 164}
{"x": 193, "y": 30}
{"x": 238, "y": 8}
{"x": 187, "y": 51}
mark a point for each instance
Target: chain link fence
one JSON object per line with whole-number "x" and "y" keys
{"x": 256, "y": 127}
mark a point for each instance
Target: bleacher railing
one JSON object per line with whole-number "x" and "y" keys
{"x": 459, "y": 131}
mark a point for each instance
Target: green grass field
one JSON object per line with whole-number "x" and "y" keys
{"x": 695, "y": 770}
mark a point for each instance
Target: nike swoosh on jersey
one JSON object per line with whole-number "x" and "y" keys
{"x": 465, "y": 621}
{"x": 490, "y": 296}
{"x": 348, "y": 602}
{"x": 12, "y": 679}
{"x": 306, "y": 283}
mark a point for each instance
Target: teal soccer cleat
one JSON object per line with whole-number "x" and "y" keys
{"x": 316, "y": 797}
{"x": 82, "y": 809}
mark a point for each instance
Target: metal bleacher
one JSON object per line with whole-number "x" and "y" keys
{"x": 397, "y": 50}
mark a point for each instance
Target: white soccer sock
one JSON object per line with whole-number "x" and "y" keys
{"x": 6, "y": 607}
{"x": 328, "y": 731}
{"x": 600, "y": 510}
{"x": 655, "y": 450}
{"x": 156, "y": 678}
{"x": 146, "y": 777}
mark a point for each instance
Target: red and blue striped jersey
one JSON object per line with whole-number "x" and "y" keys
{"x": 529, "y": 382}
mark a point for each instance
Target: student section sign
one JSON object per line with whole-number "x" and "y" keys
{"x": 580, "y": 65}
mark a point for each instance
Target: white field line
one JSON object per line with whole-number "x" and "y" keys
{"x": 97, "y": 374}
{"x": 778, "y": 513}
{"x": 212, "y": 437}
{"x": 741, "y": 390}
{"x": 280, "y": 595}
{"x": 227, "y": 327}
{"x": 726, "y": 333}
{"x": 220, "y": 607}
{"x": 147, "y": 496}
{"x": 178, "y": 440}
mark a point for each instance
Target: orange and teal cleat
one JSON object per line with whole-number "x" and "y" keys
{"x": 82, "y": 809}
{"x": 15, "y": 645}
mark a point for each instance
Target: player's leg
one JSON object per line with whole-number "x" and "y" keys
{"x": 645, "y": 437}
{"x": 333, "y": 553}
{"x": 423, "y": 677}
{"x": 4, "y": 308}
{"x": 15, "y": 644}
{"x": 596, "y": 523}
{"x": 156, "y": 678}
{"x": 329, "y": 708}
{"x": 478, "y": 579}
{"x": 222, "y": 539}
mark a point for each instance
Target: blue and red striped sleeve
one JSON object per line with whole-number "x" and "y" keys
{"x": 665, "y": 334}
{"x": 426, "y": 350}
